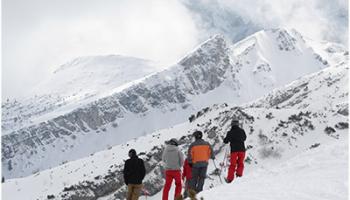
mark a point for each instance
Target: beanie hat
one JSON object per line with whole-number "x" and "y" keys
{"x": 198, "y": 134}
{"x": 173, "y": 141}
{"x": 132, "y": 152}
{"x": 235, "y": 122}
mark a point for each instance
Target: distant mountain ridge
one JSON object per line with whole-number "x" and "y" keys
{"x": 79, "y": 81}
{"x": 216, "y": 72}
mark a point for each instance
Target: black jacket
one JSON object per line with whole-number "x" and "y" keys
{"x": 236, "y": 137}
{"x": 134, "y": 170}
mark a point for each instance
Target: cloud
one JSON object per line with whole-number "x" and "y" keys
{"x": 40, "y": 35}
{"x": 318, "y": 19}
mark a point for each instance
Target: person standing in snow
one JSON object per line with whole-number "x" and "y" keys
{"x": 199, "y": 154}
{"x": 236, "y": 137}
{"x": 173, "y": 160}
{"x": 134, "y": 172}
{"x": 186, "y": 175}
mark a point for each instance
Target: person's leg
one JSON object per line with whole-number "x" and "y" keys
{"x": 167, "y": 185}
{"x": 194, "y": 180}
{"x": 240, "y": 160}
{"x": 201, "y": 179}
{"x": 136, "y": 191}
{"x": 232, "y": 168}
{"x": 178, "y": 186}
{"x": 187, "y": 187}
{"x": 129, "y": 195}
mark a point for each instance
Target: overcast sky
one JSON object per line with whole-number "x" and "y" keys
{"x": 40, "y": 35}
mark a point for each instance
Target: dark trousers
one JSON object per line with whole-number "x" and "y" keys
{"x": 198, "y": 176}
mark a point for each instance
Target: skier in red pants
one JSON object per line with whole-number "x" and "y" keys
{"x": 173, "y": 159}
{"x": 236, "y": 137}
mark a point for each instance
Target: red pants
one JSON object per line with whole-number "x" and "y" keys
{"x": 169, "y": 176}
{"x": 236, "y": 165}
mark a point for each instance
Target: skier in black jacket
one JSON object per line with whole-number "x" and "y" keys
{"x": 236, "y": 137}
{"x": 134, "y": 172}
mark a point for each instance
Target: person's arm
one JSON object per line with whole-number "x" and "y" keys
{"x": 164, "y": 156}
{"x": 244, "y": 136}
{"x": 227, "y": 138}
{"x": 126, "y": 173}
{"x": 143, "y": 169}
{"x": 189, "y": 155}
{"x": 181, "y": 156}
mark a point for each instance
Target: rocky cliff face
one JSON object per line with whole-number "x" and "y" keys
{"x": 215, "y": 71}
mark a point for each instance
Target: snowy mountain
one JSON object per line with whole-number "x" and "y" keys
{"x": 214, "y": 73}
{"x": 74, "y": 84}
{"x": 295, "y": 136}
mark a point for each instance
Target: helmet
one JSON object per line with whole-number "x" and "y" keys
{"x": 198, "y": 135}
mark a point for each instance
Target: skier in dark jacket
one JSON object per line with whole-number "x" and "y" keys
{"x": 236, "y": 137}
{"x": 134, "y": 172}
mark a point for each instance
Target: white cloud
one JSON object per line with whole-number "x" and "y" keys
{"x": 43, "y": 36}
{"x": 318, "y": 19}
{"x": 39, "y": 35}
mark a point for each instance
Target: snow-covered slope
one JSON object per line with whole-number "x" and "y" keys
{"x": 319, "y": 173}
{"x": 71, "y": 85}
{"x": 284, "y": 130}
{"x": 215, "y": 72}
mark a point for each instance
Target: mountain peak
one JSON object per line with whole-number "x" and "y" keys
{"x": 211, "y": 50}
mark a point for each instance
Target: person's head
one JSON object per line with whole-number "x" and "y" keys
{"x": 198, "y": 135}
{"x": 173, "y": 141}
{"x": 235, "y": 122}
{"x": 132, "y": 153}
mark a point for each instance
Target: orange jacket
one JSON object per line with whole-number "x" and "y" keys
{"x": 199, "y": 153}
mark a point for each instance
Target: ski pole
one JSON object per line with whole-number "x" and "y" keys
{"x": 145, "y": 192}
{"x": 217, "y": 168}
